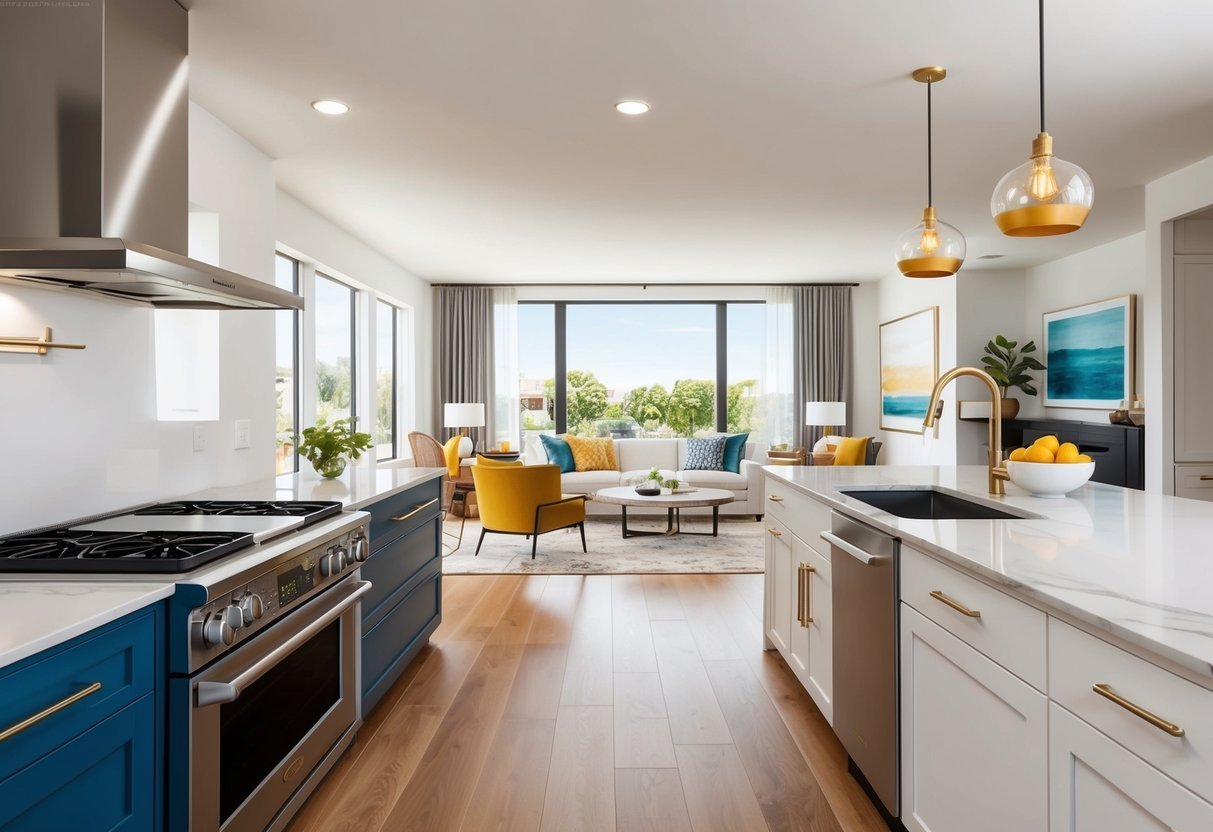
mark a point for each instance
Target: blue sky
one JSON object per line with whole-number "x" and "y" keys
{"x": 629, "y": 345}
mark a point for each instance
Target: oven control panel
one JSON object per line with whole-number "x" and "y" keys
{"x": 238, "y": 614}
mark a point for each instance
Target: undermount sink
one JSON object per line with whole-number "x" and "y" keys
{"x": 929, "y": 504}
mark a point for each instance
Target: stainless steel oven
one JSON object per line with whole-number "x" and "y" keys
{"x": 270, "y": 717}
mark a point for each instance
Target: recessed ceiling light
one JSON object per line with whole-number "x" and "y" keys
{"x": 330, "y": 107}
{"x": 632, "y": 108}
{"x": 991, "y": 256}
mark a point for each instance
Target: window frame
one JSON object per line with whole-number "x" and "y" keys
{"x": 297, "y": 359}
{"x": 396, "y": 315}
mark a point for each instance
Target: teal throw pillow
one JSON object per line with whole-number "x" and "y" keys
{"x": 734, "y": 451}
{"x": 559, "y": 453}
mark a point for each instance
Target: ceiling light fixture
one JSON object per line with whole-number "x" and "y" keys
{"x": 330, "y": 107}
{"x": 931, "y": 248}
{"x": 1045, "y": 195}
{"x": 632, "y": 108}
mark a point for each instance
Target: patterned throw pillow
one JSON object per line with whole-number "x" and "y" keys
{"x": 593, "y": 454}
{"x": 705, "y": 454}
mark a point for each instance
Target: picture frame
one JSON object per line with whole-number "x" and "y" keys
{"x": 1089, "y": 354}
{"x": 909, "y": 366}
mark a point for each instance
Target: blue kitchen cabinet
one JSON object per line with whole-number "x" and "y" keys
{"x": 404, "y": 607}
{"x": 96, "y": 763}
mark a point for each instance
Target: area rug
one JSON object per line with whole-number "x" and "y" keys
{"x": 739, "y": 548}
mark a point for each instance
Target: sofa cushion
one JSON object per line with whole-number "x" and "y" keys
{"x": 714, "y": 479}
{"x": 558, "y": 452}
{"x": 705, "y": 454}
{"x": 593, "y": 453}
{"x": 734, "y": 451}
{"x": 638, "y": 454}
{"x": 852, "y": 450}
{"x": 587, "y": 482}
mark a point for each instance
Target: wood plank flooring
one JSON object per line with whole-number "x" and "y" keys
{"x": 570, "y": 703}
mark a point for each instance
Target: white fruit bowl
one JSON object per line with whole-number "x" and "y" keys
{"x": 1050, "y": 479}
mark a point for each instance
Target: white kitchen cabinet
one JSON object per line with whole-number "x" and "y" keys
{"x": 819, "y": 677}
{"x": 1096, "y": 784}
{"x": 778, "y": 610}
{"x": 974, "y": 737}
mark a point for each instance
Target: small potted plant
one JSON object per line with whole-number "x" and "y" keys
{"x": 669, "y": 486}
{"x": 1009, "y": 368}
{"x": 326, "y": 446}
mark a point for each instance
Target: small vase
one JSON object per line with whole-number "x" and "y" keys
{"x": 1010, "y": 408}
{"x": 330, "y": 468}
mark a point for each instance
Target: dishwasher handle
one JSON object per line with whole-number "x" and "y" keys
{"x": 866, "y": 558}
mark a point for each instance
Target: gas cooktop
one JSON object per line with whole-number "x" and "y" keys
{"x": 85, "y": 550}
{"x": 311, "y": 512}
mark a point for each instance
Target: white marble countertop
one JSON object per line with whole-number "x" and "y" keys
{"x": 37, "y": 615}
{"x": 1130, "y": 563}
{"x": 357, "y": 488}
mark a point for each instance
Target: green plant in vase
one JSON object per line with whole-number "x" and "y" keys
{"x": 326, "y": 446}
{"x": 1009, "y": 368}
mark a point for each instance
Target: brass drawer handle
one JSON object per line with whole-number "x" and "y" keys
{"x": 805, "y": 610}
{"x": 1206, "y": 477}
{"x": 775, "y": 498}
{"x": 1105, "y": 690}
{"x": 415, "y": 510}
{"x": 775, "y": 532}
{"x": 29, "y": 722}
{"x": 938, "y": 595}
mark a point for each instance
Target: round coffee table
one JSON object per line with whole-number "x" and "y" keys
{"x": 625, "y": 495}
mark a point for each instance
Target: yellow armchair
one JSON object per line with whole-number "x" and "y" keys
{"x": 525, "y": 499}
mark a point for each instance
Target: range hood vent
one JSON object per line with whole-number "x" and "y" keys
{"x": 94, "y": 161}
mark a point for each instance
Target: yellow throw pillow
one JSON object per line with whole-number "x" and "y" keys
{"x": 593, "y": 454}
{"x": 450, "y": 452}
{"x": 853, "y": 450}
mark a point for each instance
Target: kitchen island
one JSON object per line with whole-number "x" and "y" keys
{"x": 1054, "y": 669}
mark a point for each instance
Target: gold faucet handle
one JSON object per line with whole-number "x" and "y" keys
{"x": 1000, "y": 473}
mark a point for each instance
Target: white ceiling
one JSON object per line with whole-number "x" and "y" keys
{"x": 786, "y": 141}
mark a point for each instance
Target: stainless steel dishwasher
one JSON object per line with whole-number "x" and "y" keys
{"x": 863, "y": 564}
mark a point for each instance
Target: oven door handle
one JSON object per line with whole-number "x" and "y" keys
{"x": 217, "y": 693}
{"x": 866, "y": 558}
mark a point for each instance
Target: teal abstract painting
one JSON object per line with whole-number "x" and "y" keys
{"x": 1089, "y": 354}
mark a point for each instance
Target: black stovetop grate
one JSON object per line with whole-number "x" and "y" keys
{"x": 310, "y": 511}
{"x": 81, "y": 550}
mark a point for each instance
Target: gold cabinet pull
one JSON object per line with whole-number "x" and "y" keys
{"x": 1105, "y": 690}
{"x": 29, "y": 722}
{"x": 775, "y": 498}
{"x": 775, "y": 532}
{"x": 415, "y": 510}
{"x": 1206, "y": 477}
{"x": 938, "y": 595}
{"x": 805, "y": 610}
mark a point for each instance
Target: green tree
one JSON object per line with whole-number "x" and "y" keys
{"x": 691, "y": 406}
{"x": 586, "y": 399}
{"x": 647, "y": 405}
{"x": 741, "y": 400}
{"x": 613, "y": 411}
{"x": 549, "y": 395}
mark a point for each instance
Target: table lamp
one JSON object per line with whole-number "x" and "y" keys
{"x": 827, "y": 415}
{"x": 461, "y": 416}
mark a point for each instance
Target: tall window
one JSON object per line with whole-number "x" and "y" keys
{"x": 745, "y": 347}
{"x": 536, "y": 374}
{"x": 386, "y": 407}
{"x": 286, "y": 376}
{"x": 335, "y": 343}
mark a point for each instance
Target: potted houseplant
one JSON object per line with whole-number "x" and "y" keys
{"x": 326, "y": 446}
{"x": 1009, "y": 367}
{"x": 669, "y": 486}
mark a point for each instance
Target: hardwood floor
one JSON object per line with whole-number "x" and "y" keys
{"x": 571, "y": 703}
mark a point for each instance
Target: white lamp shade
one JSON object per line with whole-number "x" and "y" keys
{"x": 463, "y": 415}
{"x": 831, "y": 414}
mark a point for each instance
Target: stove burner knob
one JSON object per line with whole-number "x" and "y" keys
{"x": 233, "y": 616}
{"x": 217, "y": 631}
{"x": 251, "y": 608}
{"x": 343, "y": 557}
{"x": 328, "y": 565}
{"x": 360, "y": 548}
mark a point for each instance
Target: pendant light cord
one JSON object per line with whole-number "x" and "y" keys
{"x": 930, "y": 196}
{"x": 1041, "y": 30}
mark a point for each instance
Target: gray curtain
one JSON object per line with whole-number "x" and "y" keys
{"x": 463, "y": 349}
{"x": 822, "y": 326}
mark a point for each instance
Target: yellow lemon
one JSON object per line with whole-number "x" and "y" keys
{"x": 1083, "y": 458}
{"x": 1038, "y": 453}
{"x": 1049, "y": 442}
{"x": 1067, "y": 453}
{"x": 1018, "y": 454}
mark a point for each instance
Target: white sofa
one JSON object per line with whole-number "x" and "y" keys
{"x": 637, "y": 456}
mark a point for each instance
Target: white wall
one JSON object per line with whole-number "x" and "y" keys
{"x": 898, "y": 296}
{"x": 865, "y": 395}
{"x": 1107, "y": 271}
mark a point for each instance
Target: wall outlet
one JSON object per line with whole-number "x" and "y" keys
{"x": 244, "y": 428}
{"x": 199, "y": 438}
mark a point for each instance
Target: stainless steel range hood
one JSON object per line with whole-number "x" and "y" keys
{"x": 93, "y": 157}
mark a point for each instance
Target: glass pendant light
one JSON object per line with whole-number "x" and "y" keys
{"x": 1045, "y": 195}
{"x": 931, "y": 248}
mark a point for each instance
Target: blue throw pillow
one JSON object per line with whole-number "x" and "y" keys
{"x": 734, "y": 451}
{"x": 705, "y": 454}
{"x": 559, "y": 453}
